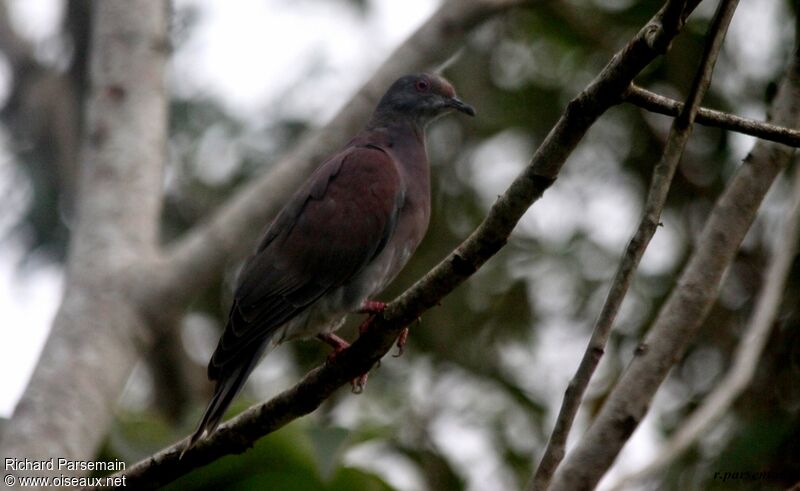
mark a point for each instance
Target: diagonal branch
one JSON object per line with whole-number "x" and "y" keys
{"x": 709, "y": 117}
{"x": 747, "y": 353}
{"x": 242, "y": 431}
{"x": 663, "y": 173}
{"x": 682, "y": 314}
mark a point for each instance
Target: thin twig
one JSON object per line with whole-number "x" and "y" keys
{"x": 747, "y": 353}
{"x": 656, "y": 198}
{"x": 683, "y": 313}
{"x": 238, "y": 434}
{"x": 709, "y": 117}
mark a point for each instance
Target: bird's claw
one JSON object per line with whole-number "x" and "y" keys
{"x": 401, "y": 342}
{"x": 339, "y": 345}
{"x": 359, "y": 383}
{"x": 403, "y": 338}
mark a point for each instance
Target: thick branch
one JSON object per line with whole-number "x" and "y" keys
{"x": 747, "y": 354}
{"x": 67, "y": 406}
{"x": 709, "y": 117}
{"x": 663, "y": 173}
{"x": 198, "y": 258}
{"x": 687, "y": 306}
{"x": 242, "y": 431}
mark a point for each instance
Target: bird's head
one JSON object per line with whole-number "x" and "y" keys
{"x": 422, "y": 98}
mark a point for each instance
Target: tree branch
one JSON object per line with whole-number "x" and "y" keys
{"x": 747, "y": 353}
{"x": 67, "y": 406}
{"x": 664, "y": 105}
{"x": 241, "y": 432}
{"x": 683, "y": 313}
{"x": 663, "y": 173}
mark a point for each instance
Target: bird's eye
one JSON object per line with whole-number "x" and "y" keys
{"x": 423, "y": 86}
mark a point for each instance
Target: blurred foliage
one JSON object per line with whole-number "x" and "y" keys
{"x": 294, "y": 458}
{"x": 474, "y": 396}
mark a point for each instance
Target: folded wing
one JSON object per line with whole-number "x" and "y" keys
{"x": 329, "y": 231}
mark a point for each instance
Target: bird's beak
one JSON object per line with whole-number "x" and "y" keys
{"x": 460, "y": 105}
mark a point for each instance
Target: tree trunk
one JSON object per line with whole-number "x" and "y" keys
{"x": 67, "y": 408}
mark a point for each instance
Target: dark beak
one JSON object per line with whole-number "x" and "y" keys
{"x": 460, "y": 105}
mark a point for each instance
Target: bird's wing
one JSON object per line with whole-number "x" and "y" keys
{"x": 330, "y": 229}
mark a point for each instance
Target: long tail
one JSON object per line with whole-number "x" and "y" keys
{"x": 229, "y": 384}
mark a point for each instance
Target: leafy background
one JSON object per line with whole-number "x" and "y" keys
{"x": 471, "y": 402}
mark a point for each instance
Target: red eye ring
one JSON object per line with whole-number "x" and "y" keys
{"x": 422, "y": 85}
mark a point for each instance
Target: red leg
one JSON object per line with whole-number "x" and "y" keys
{"x": 340, "y": 345}
{"x": 401, "y": 342}
{"x": 372, "y": 307}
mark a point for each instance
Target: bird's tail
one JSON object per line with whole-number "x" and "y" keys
{"x": 228, "y": 385}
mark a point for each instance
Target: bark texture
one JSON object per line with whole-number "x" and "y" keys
{"x": 69, "y": 402}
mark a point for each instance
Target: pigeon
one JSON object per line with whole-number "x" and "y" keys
{"x": 341, "y": 238}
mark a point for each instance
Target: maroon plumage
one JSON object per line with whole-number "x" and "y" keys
{"x": 338, "y": 241}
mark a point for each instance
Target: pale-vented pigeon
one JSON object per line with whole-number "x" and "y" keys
{"x": 340, "y": 239}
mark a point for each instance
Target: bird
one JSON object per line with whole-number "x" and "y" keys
{"x": 339, "y": 240}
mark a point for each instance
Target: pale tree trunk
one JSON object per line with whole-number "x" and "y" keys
{"x": 68, "y": 404}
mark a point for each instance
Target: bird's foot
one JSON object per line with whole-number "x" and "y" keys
{"x": 372, "y": 307}
{"x": 401, "y": 342}
{"x": 338, "y": 344}
{"x": 359, "y": 383}
{"x": 403, "y": 338}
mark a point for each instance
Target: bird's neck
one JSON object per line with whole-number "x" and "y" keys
{"x": 382, "y": 119}
{"x": 403, "y": 138}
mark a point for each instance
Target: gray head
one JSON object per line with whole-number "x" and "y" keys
{"x": 421, "y": 98}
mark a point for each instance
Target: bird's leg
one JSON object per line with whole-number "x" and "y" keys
{"x": 371, "y": 307}
{"x": 374, "y": 307}
{"x": 340, "y": 345}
